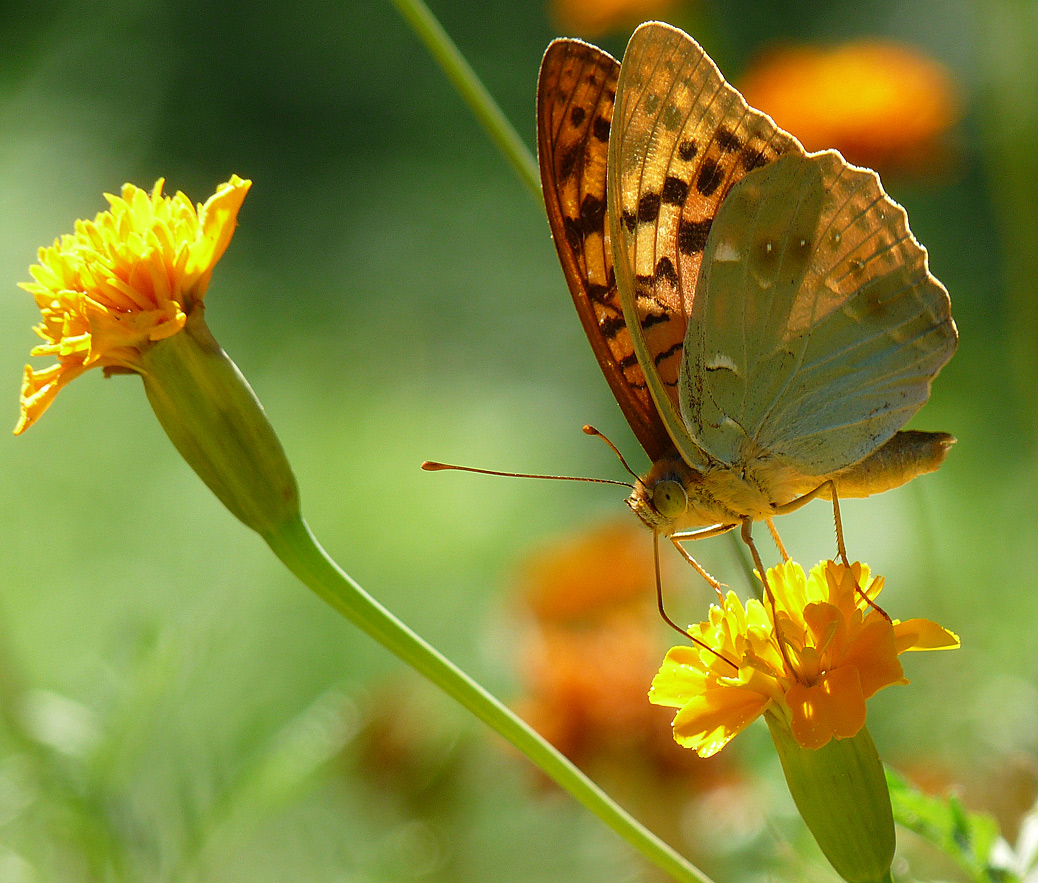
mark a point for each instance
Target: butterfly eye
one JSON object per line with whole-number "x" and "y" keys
{"x": 669, "y": 498}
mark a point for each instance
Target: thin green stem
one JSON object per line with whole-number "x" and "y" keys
{"x": 301, "y": 553}
{"x": 479, "y": 100}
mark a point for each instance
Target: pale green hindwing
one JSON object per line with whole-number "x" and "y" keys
{"x": 816, "y": 328}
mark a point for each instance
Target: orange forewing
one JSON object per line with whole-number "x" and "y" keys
{"x": 575, "y": 94}
{"x": 685, "y": 138}
{"x": 680, "y": 193}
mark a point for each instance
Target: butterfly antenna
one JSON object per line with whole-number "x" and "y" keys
{"x": 590, "y": 430}
{"x": 433, "y": 466}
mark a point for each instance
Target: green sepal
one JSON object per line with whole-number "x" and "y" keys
{"x": 214, "y": 419}
{"x": 841, "y": 793}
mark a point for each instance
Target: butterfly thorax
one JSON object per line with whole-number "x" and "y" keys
{"x": 673, "y": 497}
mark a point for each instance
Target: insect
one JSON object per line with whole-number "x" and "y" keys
{"x": 764, "y": 317}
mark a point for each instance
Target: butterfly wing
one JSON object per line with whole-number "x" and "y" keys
{"x": 575, "y": 92}
{"x": 681, "y": 139}
{"x": 817, "y": 327}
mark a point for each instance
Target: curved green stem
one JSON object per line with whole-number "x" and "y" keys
{"x": 479, "y": 100}
{"x": 300, "y": 552}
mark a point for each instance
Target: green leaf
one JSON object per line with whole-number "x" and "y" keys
{"x": 967, "y": 838}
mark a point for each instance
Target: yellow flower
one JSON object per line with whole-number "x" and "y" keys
{"x": 123, "y": 281}
{"x": 881, "y": 104}
{"x": 124, "y": 292}
{"x": 836, "y": 651}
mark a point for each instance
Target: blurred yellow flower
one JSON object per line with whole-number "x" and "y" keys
{"x": 836, "y": 651}
{"x": 881, "y": 104}
{"x": 123, "y": 281}
{"x": 592, "y": 18}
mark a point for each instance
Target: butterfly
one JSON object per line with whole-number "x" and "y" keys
{"x": 764, "y": 317}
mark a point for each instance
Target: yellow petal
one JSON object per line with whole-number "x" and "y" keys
{"x": 922, "y": 634}
{"x": 122, "y": 282}
{"x": 39, "y": 389}
{"x": 218, "y": 218}
{"x": 834, "y": 706}
{"x": 680, "y": 678}
{"x": 874, "y": 654}
{"x": 709, "y": 721}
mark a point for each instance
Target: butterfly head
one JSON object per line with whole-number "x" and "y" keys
{"x": 661, "y": 497}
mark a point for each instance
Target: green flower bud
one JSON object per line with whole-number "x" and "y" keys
{"x": 214, "y": 419}
{"x": 842, "y": 795}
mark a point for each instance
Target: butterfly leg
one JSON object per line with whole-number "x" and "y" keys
{"x": 663, "y": 613}
{"x": 777, "y": 539}
{"x": 747, "y": 537}
{"x": 830, "y": 488}
{"x": 716, "y": 530}
{"x": 826, "y": 488}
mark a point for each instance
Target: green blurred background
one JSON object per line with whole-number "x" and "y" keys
{"x": 177, "y": 707}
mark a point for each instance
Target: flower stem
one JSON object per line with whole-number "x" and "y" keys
{"x": 479, "y": 100}
{"x": 302, "y": 554}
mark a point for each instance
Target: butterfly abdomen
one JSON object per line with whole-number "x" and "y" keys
{"x": 907, "y": 454}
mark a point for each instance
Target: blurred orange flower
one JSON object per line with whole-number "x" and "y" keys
{"x": 881, "y": 104}
{"x": 592, "y": 18}
{"x": 591, "y": 648}
{"x": 589, "y": 573}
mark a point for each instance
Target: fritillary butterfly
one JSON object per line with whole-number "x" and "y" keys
{"x": 764, "y": 316}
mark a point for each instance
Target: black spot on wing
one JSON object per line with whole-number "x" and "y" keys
{"x": 577, "y": 115}
{"x": 692, "y": 236}
{"x": 592, "y": 214}
{"x": 710, "y": 176}
{"x": 574, "y": 234}
{"x": 610, "y": 326}
{"x": 648, "y": 208}
{"x": 600, "y": 129}
{"x": 727, "y": 140}
{"x": 753, "y": 159}
{"x": 687, "y": 149}
{"x": 629, "y": 220}
{"x": 650, "y": 319}
{"x": 665, "y": 271}
{"x": 675, "y": 191}
{"x": 569, "y": 160}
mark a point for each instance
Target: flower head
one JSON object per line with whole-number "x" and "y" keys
{"x": 882, "y": 104}
{"x": 837, "y": 649}
{"x": 123, "y": 281}
{"x": 124, "y": 292}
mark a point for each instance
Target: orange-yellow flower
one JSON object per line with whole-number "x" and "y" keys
{"x": 592, "y": 18}
{"x": 837, "y": 650}
{"x": 881, "y": 104}
{"x": 123, "y": 281}
{"x": 591, "y": 644}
